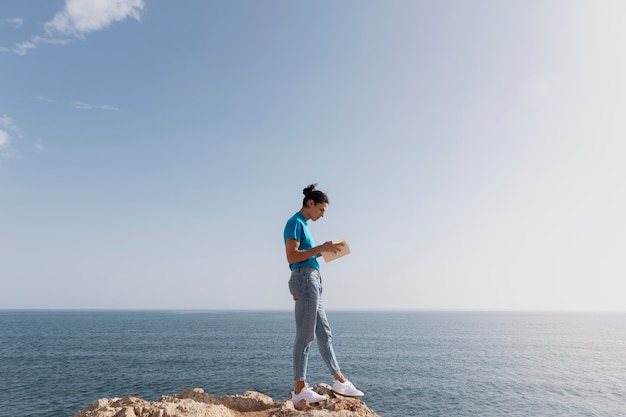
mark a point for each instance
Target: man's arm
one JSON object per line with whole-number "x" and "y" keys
{"x": 296, "y": 255}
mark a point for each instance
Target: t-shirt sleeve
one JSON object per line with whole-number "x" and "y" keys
{"x": 293, "y": 230}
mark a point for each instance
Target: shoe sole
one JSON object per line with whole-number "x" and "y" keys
{"x": 309, "y": 402}
{"x": 345, "y": 395}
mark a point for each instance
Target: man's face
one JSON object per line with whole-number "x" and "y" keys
{"x": 317, "y": 210}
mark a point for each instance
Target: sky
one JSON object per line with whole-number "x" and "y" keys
{"x": 473, "y": 152}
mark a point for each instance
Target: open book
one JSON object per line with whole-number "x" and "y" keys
{"x": 345, "y": 249}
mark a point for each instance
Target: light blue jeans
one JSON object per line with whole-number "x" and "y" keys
{"x": 305, "y": 285}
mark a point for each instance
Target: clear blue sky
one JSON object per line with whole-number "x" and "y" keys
{"x": 473, "y": 152}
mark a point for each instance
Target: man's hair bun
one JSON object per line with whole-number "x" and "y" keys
{"x": 308, "y": 190}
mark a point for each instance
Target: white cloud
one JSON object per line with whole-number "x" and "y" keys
{"x": 16, "y": 22}
{"x": 22, "y": 48}
{"x": 80, "y": 17}
{"x": 84, "y": 106}
{"x": 7, "y": 130}
{"x": 6, "y": 126}
{"x": 4, "y": 139}
{"x": 79, "y": 105}
{"x": 7, "y": 123}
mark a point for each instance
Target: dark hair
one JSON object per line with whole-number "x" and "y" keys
{"x": 310, "y": 193}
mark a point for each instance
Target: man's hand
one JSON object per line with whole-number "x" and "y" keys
{"x": 331, "y": 247}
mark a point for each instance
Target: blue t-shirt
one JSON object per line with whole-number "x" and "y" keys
{"x": 298, "y": 229}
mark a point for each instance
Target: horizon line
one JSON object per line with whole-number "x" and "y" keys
{"x": 356, "y": 310}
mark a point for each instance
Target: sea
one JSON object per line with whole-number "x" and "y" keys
{"x": 409, "y": 364}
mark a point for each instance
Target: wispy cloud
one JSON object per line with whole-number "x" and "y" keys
{"x": 4, "y": 139}
{"x": 84, "y": 106}
{"x": 79, "y": 105}
{"x": 79, "y": 18}
{"x": 7, "y": 128}
{"x": 7, "y": 125}
{"x": 22, "y": 48}
{"x": 16, "y": 22}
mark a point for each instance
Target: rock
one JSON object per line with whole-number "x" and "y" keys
{"x": 197, "y": 403}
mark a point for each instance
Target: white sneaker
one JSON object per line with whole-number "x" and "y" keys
{"x": 346, "y": 389}
{"x": 308, "y": 394}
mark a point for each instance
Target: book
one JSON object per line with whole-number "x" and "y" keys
{"x": 329, "y": 256}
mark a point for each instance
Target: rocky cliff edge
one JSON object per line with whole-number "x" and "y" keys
{"x": 194, "y": 402}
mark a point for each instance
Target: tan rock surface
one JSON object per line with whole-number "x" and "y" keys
{"x": 197, "y": 403}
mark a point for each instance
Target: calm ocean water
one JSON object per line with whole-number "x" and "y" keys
{"x": 410, "y": 364}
